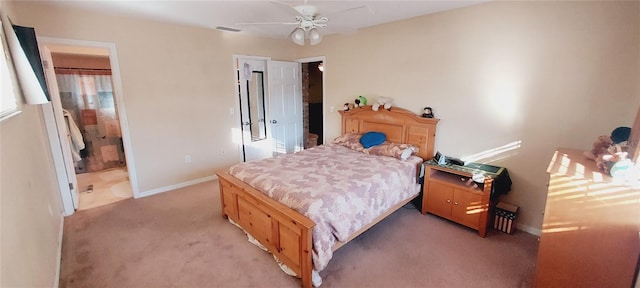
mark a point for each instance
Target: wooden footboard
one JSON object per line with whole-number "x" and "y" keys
{"x": 282, "y": 230}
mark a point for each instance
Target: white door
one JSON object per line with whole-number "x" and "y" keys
{"x": 253, "y": 87}
{"x": 285, "y": 106}
{"x": 53, "y": 114}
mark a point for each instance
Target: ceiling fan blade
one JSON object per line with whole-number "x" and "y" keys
{"x": 349, "y": 10}
{"x": 289, "y": 6}
{"x": 268, "y": 23}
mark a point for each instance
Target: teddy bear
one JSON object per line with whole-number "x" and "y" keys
{"x": 382, "y": 101}
{"x": 600, "y": 146}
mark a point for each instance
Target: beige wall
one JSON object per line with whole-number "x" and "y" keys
{"x": 177, "y": 86}
{"x": 30, "y": 209}
{"x": 30, "y": 206}
{"x": 547, "y": 74}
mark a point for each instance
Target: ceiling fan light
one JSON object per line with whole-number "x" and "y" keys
{"x": 298, "y": 36}
{"x": 314, "y": 36}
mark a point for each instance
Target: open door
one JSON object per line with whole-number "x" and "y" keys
{"x": 253, "y": 86}
{"x": 55, "y": 121}
{"x": 270, "y": 104}
{"x": 285, "y": 106}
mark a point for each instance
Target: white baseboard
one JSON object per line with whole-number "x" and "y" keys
{"x": 175, "y": 186}
{"x": 56, "y": 282}
{"x": 529, "y": 229}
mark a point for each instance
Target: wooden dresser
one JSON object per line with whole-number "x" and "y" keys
{"x": 591, "y": 224}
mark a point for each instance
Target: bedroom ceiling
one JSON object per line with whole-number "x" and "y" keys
{"x": 344, "y": 16}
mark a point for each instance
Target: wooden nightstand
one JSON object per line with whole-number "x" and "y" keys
{"x": 449, "y": 192}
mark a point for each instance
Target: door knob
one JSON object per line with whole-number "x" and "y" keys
{"x": 274, "y": 121}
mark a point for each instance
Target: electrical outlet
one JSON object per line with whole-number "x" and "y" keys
{"x": 187, "y": 158}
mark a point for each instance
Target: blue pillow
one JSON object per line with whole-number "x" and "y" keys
{"x": 370, "y": 139}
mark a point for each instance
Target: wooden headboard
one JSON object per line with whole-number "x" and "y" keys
{"x": 400, "y": 126}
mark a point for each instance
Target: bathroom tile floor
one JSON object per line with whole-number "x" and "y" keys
{"x": 103, "y": 187}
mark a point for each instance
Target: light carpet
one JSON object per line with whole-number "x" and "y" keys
{"x": 180, "y": 239}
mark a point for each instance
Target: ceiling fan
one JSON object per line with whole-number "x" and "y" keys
{"x": 307, "y": 21}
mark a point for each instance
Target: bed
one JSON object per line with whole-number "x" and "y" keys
{"x": 288, "y": 234}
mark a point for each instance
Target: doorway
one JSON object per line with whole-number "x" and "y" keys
{"x": 313, "y": 95}
{"x": 270, "y": 106}
{"x": 88, "y": 109}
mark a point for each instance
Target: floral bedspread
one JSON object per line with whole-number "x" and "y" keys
{"x": 340, "y": 189}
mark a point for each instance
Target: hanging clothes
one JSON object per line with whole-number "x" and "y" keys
{"x": 77, "y": 141}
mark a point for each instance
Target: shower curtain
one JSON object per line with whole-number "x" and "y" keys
{"x": 89, "y": 100}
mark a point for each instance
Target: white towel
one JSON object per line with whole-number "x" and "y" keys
{"x": 77, "y": 142}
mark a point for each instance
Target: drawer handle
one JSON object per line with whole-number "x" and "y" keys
{"x": 448, "y": 201}
{"x": 455, "y": 203}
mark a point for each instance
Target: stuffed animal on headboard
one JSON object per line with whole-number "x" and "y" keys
{"x": 382, "y": 101}
{"x": 428, "y": 113}
{"x": 361, "y": 101}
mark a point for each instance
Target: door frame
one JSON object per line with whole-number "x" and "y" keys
{"x": 237, "y": 137}
{"x": 324, "y": 99}
{"x": 67, "y": 197}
